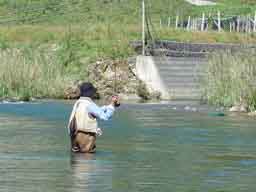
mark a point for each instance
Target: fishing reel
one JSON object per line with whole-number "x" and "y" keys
{"x": 115, "y": 99}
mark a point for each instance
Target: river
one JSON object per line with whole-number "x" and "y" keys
{"x": 175, "y": 146}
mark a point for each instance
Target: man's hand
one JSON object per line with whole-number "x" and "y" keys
{"x": 115, "y": 101}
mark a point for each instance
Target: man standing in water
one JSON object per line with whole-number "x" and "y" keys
{"x": 83, "y": 126}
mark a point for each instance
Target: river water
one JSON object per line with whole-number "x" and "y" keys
{"x": 146, "y": 147}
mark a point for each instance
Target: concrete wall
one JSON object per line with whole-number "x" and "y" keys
{"x": 174, "y": 77}
{"x": 147, "y": 71}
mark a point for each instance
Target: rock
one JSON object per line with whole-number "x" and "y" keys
{"x": 72, "y": 92}
{"x": 239, "y": 108}
{"x": 109, "y": 74}
{"x": 252, "y": 114}
{"x": 234, "y": 109}
{"x": 243, "y": 109}
{"x": 194, "y": 109}
{"x": 114, "y": 76}
{"x": 155, "y": 95}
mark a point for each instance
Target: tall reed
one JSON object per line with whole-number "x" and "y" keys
{"x": 28, "y": 72}
{"x": 231, "y": 78}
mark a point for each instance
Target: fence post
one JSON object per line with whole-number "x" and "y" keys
{"x": 219, "y": 24}
{"x": 246, "y": 24}
{"x": 194, "y": 24}
{"x": 169, "y": 21}
{"x": 177, "y": 22}
{"x": 238, "y": 24}
{"x": 230, "y": 27}
{"x": 208, "y": 22}
{"x": 188, "y": 25}
{"x": 203, "y": 21}
{"x": 243, "y": 29}
{"x": 160, "y": 23}
{"x": 254, "y": 23}
{"x": 249, "y": 23}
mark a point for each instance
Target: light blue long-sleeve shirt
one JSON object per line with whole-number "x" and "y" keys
{"x": 103, "y": 113}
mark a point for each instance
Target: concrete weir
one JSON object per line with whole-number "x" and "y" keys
{"x": 173, "y": 77}
{"x": 147, "y": 71}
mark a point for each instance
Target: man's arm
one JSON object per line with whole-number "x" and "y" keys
{"x": 103, "y": 113}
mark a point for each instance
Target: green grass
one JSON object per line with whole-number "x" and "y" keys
{"x": 112, "y": 11}
{"x": 106, "y": 20}
{"x": 68, "y": 54}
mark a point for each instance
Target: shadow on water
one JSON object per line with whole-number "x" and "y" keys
{"x": 146, "y": 147}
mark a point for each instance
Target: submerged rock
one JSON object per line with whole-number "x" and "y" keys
{"x": 216, "y": 114}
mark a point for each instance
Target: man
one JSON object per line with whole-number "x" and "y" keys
{"x": 83, "y": 126}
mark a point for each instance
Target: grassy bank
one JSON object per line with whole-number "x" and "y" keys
{"x": 231, "y": 79}
{"x": 70, "y": 52}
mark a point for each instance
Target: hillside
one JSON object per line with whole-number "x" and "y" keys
{"x": 98, "y": 28}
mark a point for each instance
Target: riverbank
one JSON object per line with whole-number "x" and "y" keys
{"x": 55, "y": 71}
{"x": 43, "y": 60}
{"x": 42, "y": 72}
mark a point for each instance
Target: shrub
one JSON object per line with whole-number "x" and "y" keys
{"x": 142, "y": 91}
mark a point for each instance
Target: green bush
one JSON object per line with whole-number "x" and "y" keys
{"x": 142, "y": 91}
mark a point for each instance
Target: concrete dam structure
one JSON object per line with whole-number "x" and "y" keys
{"x": 173, "y": 77}
{"x": 175, "y": 69}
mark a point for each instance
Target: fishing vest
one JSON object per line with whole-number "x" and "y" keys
{"x": 84, "y": 121}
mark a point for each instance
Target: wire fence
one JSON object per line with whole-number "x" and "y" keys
{"x": 212, "y": 22}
